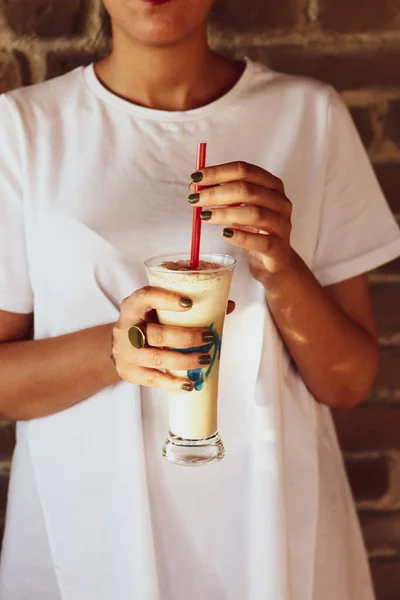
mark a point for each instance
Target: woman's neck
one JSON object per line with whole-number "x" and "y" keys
{"x": 180, "y": 77}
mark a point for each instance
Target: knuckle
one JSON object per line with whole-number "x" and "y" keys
{"x": 210, "y": 193}
{"x": 156, "y": 358}
{"x": 242, "y": 168}
{"x": 210, "y": 172}
{"x": 151, "y": 379}
{"x": 279, "y": 184}
{"x": 288, "y": 206}
{"x": 251, "y": 190}
{"x": 125, "y": 303}
{"x": 255, "y": 214}
{"x": 143, "y": 293}
{"x": 156, "y": 332}
{"x": 242, "y": 188}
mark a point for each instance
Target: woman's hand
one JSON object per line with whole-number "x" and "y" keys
{"x": 252, "y": 205}
{"x": 142, "y": 366}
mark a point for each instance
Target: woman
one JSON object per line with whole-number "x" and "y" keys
{"x": 93, "y": 181}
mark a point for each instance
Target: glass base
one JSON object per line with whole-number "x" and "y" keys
{"x": 193, "y": 453}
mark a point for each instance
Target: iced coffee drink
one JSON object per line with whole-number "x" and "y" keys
{"x": 193, "y": 437}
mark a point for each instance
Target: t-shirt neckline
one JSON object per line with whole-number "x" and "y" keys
{"x": 152, "y": 114}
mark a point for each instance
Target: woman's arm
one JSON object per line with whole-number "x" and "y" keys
{"x": 42, "y": 377}
{"x": 329, "y": 332}
{"x": 331, "y": 340}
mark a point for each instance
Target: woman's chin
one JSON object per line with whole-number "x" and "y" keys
{"x": 156, "y": 34}
{"x": 161, "y": 25}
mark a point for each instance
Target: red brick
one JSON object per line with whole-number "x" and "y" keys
{"x": 362, "y": 119}
{"x": 387, "y": 384}
{"x": 7, "y": 440}
{"x": 3, "y": 492}
{"x": 392, "y": 125}
{"x": 10, "y": 73}
{"x": 369, "y": 478}
{"x": 381, "y": 530}
{"x": 359, "y": 15}
{"x": 45, "y": 18}
{"x": 347, "y": 70}
{"x": 58, "y": 64}
{"x": 389, "y": 371}
{"x": 389, "y": 178}
{"x": 386, "y": 576}
{"x": 386, "y": 305}
{"x": 1, "y": 532}
{"x": 254, "y": 15}
{"x": 391, "y": 268}
{"x": 369, "y": 428}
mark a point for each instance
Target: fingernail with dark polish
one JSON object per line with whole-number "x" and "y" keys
{"x": 206, "y": 215}
{"x": 198, "y": 176}
{"x": 194, "y": 198}
{"x": 205, "y": 359}
{"x": 208, "y": 336}
{"x": 187, "y": 387}
{"x": 228, "y": 233}
{"x": 186, "y": 302}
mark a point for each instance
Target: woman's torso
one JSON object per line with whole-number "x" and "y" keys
{"x": 105, "y": 188}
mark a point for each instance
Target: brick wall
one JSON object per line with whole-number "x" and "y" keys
{"x": 352, "y": 44}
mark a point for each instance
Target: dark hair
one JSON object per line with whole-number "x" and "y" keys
{"x": 105, "y": 22}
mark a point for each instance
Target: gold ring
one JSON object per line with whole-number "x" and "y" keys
{"x": 137, "y": 336}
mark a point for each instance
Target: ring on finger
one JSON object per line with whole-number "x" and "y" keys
{"x": 137, "y": 336}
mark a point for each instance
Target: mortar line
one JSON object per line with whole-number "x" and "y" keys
{"x": 313, "y": 10}
{"x": 317, "y": 39}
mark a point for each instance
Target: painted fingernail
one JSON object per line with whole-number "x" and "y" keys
{"x": 205, "y": 359}
{"x": 206, "y": 215}
{"x": 186, "y": 302}
{"x": 198, "y": 176}
{"x": 194, "y": 198}
{"x": 208, "y": 336}
{"x": 187, "y": 387}
{"x": 228, "y": 233}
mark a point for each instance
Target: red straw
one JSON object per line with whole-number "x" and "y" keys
{"x": 196, "y": 226}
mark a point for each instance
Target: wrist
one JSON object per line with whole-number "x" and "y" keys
{"x": 274, "y": 281}
{"x": 108, "y": 367}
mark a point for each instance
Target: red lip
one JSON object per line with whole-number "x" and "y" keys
{"x": 156, "y": 2}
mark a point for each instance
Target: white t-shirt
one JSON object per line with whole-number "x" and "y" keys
{"x": 90, "y": 186}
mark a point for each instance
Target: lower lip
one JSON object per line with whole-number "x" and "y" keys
{"x": 156, "y": 2}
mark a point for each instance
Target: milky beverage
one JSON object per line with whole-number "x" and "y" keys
{"x": 193, "y": 416}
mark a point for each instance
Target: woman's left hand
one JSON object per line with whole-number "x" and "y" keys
{"x": 252, "y": 205}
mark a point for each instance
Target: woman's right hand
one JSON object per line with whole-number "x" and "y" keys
{"x": 142, "y": 366}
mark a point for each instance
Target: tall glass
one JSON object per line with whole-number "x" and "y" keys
{"x": 193, "y": 437}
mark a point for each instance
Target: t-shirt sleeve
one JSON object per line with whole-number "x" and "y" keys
{"x": 357, "y": 231}
{"x": 15, "y": 286}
